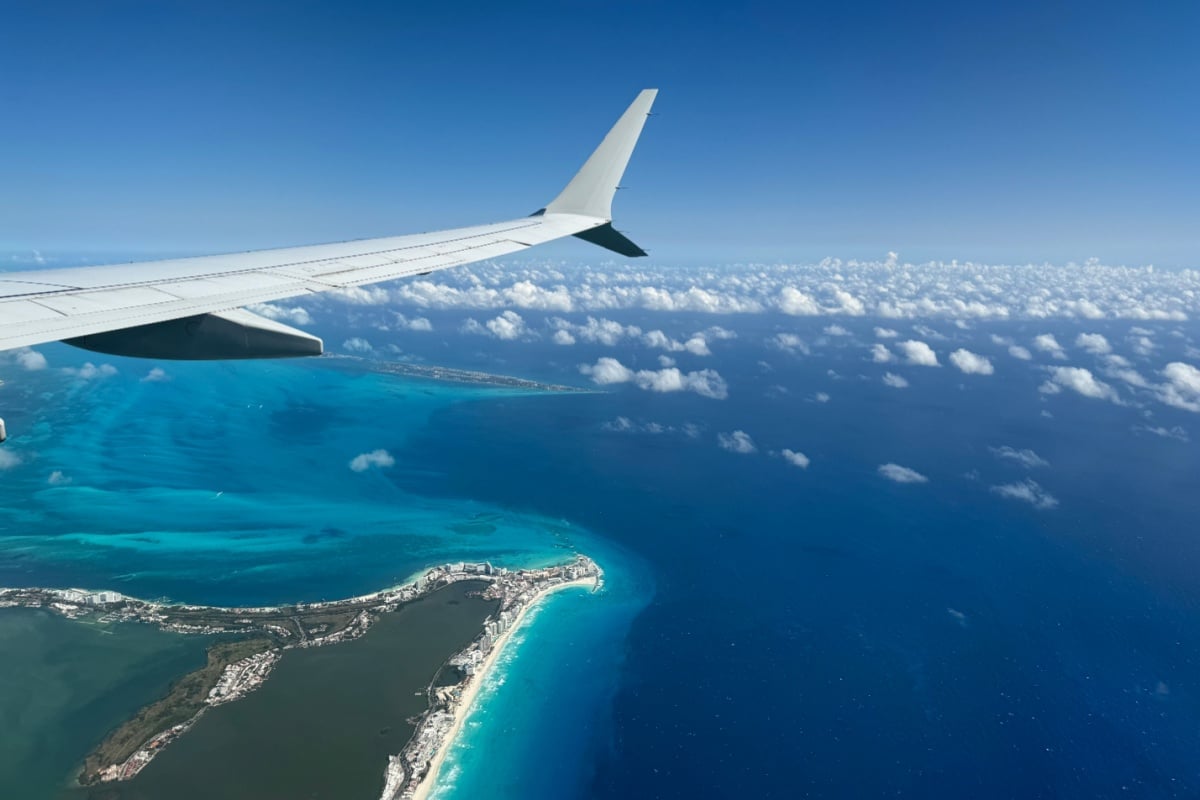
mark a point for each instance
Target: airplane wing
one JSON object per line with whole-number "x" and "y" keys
{"x": 191, "y": 308}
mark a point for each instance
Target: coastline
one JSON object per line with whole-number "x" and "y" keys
{"x": 465, "y": 705}
{"x": 304, "y": 625}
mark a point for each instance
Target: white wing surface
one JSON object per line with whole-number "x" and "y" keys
{"x": 188, "y": 308}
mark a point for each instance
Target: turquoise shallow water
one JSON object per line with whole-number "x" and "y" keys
{"x": 230, "y": 484}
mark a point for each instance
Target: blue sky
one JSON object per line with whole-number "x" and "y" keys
{"x": 1005, "y": 132}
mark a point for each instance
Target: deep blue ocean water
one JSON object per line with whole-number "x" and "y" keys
{"x": 766, "y": 631}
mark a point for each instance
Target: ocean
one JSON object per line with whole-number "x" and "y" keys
{"x": 765, "y": 630}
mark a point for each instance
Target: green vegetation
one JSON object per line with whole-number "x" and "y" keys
{"x": 185, "y": 697}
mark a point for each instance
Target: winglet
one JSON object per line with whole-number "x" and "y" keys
{"x": 591, "y": 191}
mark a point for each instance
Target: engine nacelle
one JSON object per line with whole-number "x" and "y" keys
{"x": 205, "y": 337}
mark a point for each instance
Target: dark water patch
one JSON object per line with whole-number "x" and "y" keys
{"x": 64, "y": 684}
{"x": 325, "y": 722}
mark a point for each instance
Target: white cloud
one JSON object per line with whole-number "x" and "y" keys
{"x": 1026, "y": 458}
{"x": 918, "y": 353}
{"x": 789, "y": 343}
{"x": 736, "y": 442}
{"x": 836, "y": 330}
{"x": 1182, "y": 389}
{"x": 1028, "y": 491}
{"x": 795, "y": 458}
{"x": 376, "y": 458}
{"x": 797, "y": 303}
{"x": 1016, "y": 351}
{"x": 607, "y": 371}
{"x": 296, "y": 315}
{"x": 508, "y": 326}
{"x": 357, "y": 344}
{"x": 31, "y": 360}
{"x": 1176, "y": 432}
{"x": 418, "y": 324}
{"x": 880, "y": 354}
{"x": 362, "y": 295}
{"x": 885, "y": 333}
{"x": 899, "y": 474}
{"x": 156, "y": 375}
{"x": 57, "y": 478}
{"x": 1094, "y": 343}
{"x": 1048, "y": 344}
{"x": 821, "y": 397}
{"x": 716, "y": 332}
{"x": 1078, "y": 380}
{"x": 895, "y": 381}
{"x": 90, "y": 371}
{"x": 971, "y": 363}
{"x": 705, "y": 382}
{"x": 955, "y": 291}
{"x": 8, "y": 459}
{"x": 599, "y": 331}
{"x": 563, "y": 337}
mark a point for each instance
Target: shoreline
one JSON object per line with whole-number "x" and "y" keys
{"x": 273, "y": 629}
{"x": 463, "y": 707}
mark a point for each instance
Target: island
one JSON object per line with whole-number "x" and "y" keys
{"x": 248, "y": 643}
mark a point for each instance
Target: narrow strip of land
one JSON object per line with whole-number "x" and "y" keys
{"x": 251, "y": 641}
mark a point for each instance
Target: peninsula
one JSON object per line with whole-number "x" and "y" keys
{"x": 250, "y": 642}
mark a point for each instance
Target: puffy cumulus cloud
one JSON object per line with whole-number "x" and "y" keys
{"x": 899, "y": 474}
{"x": 959, "y": 291}
{"x": 795, "y": 458}
{"x": 1048, "y": 344}
{"x": 836, "y": 330}
{"x": 971, "y": 363}
{"x": 1078, "y": 379}
{"x": 508, "y": 326}
{"x": 1028, "y": 491}
{"x": 821, "y": 397}
{"x": 737, "y": 442}
{"x": 156, "y": 375}
{"x": 563, "y": 337}
{"x": 797, "y": 303}
{"x": 886, "y": 333}
{"x": 1142, "y": 345}
{"x": 1026, "y": 458}
{"x": 8, "y": 459}
{"x": 1016, "y": 351}
{"x": 525, "y": 294}
{"x": 607, "y": 371}
{"x": 789, "y": 343}
{"x": 91, "y": 372}
{"x": 895, "y": 381}
{"x": 357, "y": 344}
{"x": 696, "y": 344}
{"x": 598, "y": 331}
{"x": 376, "y": 458}
{"x": 362, "y": 295}
{"x": 295, "y": 315}
{"x": 1182, "y": 389}
{"x": 58, "y": 478}
{"x": 406, "y": 323}
{"x": 918, "y": 353}
{"x": 1094, "y": 343}
{"x": 880, "y": 354}
{"x": 31, "y": 360}
{"x": 705, "y": 382}
{"x": 716, "y": 333}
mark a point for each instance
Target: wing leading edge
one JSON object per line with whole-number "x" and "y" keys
{"x": 188, "y": 308}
